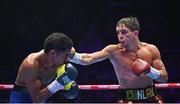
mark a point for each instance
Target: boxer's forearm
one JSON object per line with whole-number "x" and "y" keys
{"x": 81, "y": 58}
{"x": 87, "y": 59}
{"x": 44, "y": 95}
{"x": 41, "y": 96}
{"x": 38, "y": 92}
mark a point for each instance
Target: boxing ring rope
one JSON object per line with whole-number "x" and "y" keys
{"x": 103, "y": 87}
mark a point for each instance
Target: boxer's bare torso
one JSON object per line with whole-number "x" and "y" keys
{"x": 37, "y": 70}
{"x": 122, "y": 60}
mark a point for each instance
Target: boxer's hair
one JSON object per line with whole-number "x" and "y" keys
{"x": 131, "y": 22}
{"x": 57, "y": 41}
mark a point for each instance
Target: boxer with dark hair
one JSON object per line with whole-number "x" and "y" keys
{"x": 137, "y": 64}
{"x": 38, "y": 76}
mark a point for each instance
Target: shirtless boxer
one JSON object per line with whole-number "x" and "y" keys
{"x": 36, "y": 79}
{"x": 136, "y": 63}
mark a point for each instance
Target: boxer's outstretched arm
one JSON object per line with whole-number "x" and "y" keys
{"x": 89, "y": 58}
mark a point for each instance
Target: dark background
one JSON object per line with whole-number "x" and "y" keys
{"x": 91, "y": 25}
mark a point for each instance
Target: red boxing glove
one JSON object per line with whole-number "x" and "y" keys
{"x": 139, "y": 66}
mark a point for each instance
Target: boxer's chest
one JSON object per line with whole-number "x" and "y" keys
{"x": 47, "y": 76}
{"x": 125, "y": 59}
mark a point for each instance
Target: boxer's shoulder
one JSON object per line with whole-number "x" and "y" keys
{"x": 30, "y": 64}
{"x": 150, "y": 47}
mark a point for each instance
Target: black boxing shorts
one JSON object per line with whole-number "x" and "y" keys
{"x": 140, "y": 95}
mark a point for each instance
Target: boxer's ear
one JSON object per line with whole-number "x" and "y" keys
{"x": 52, "y": 52}
{"x": 136, "y": 32}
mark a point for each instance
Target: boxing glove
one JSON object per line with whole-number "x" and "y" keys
{"x": 66, "y": 74}
{"x": 71, "y": 90}
{"x": 140, "y": 66}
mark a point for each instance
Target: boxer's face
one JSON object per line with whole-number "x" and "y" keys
{"x": 125, "y": 35}
{"x": 60, "y": 58}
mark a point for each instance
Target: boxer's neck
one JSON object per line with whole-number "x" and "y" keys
{"x": 134, "y": 45}
{"x": 46, "y": 62}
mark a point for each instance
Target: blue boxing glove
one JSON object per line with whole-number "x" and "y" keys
{"x": 66, "y": 74}
{"x": 71, "y": 90}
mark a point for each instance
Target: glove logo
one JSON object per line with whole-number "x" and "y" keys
{"x": 66, "y": 79}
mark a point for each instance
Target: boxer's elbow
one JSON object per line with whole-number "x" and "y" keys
{"x": 163, "y": 78}
{"x": 41, "y": 96}
{"x": 38, "y": 99}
